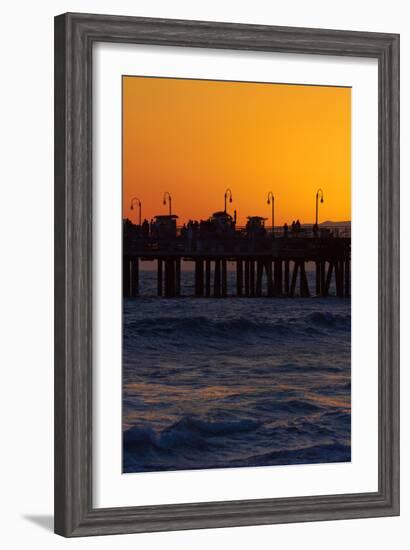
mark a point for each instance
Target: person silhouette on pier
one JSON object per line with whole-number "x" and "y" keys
{"x": 190, "y": 234}
{"x": 285, "y": 230}
{"x": 145, "y": 228}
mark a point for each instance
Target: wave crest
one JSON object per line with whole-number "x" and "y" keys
{"x": 200, "y": 325}
{"x": 188, "y": 431}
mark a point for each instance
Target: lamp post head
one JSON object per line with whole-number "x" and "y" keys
{"x": 132, "y": 207}
{"x": 321, "y": 200}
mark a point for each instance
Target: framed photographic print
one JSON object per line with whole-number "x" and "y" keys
{"x": 226, "y": 274}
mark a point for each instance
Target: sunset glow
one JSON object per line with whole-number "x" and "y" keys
{"x": 195, "y": 138}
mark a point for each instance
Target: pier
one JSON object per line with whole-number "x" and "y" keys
{"x": 268, "y": 262}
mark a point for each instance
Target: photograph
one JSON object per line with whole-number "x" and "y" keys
{"x": 224, "y": 354}
{"x": 236, "y": 271}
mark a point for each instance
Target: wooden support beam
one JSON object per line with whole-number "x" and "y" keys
{"x": 322, "y": 277}
{"x": 167, "y": 290}
{"x": 275, "y": 277}
{"x": 199, "y": 278}
{"x": 325, "y": 291}
{"x": 278, "y": 277}
{"x": 287, "y": 276}
{"x": 294, "y": 277}
{"x": 342, "y": 278}
{"x": 247, "y": 278}
{"x": 159, "y": 276}
{"x": 207, "y": 278}
{"x": 178, "y": 277}
{"x": 196, "y": 284}
{"x": 318, "y": 281}
{"x": 135, "y": 277}
{"x": 217, "y": 279}
{"x": 126, "y": 277}
{"x": 239, "y": 277}
{"x": 169, "y": 278}
{"x": 339, "y": 279}
{"x": 224, "y": 290}
{"x": 252, "y": 277}
{"x": 304, "y": 285}
{"x": 259, "y": 273}
{"x": 336, "y": 268}
{"x": 172, "y": 276}
{"x": 301, "y": 286}
{"x": 347, "y": 278}
{"x": 269, "y": 276}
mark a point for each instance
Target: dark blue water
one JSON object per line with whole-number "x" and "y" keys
{"x": 217, "y": 383}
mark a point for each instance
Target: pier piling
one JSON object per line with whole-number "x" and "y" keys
{"x": 252, "y": 277}
{"x": 347, "y": 279}
{"x": 169, "y": 278}
{"x": 217, "y": 279}
{"x": 304, "y": 286}
{"x": 126, "y": 277}
{"x": 259, "y": 273}
{"x": 178, "y": 277}
{"x": 207, "y": 278}
{"x": 323, "y": 278}
{"x": 247, "y": 278}
{"x": 159, "y": 276}
{"x": 224, "y": 289}
{"x": 287, "y": 276}
{"x": 199, "y": 277}
{"x": 239, "y": 277}
{"x": 135, "y": 277}
{"x": 294, "y": 277}
{"x": 325, "y": 291}
{"x": 318, "y": 279}
{"x": 277, "y": 276}
{"x": 269, "y": 277}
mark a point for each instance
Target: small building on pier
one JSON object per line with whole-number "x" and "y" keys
{"x": 164, "y": 226}
{"x": 222, "y": 221}
{"x": 255, "y": 226}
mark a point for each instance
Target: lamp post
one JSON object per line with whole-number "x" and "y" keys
{"x": 228, "y": 193}
{"x": 319, "y": 193}
{"x": 137, "y": 201}
{"x": 271, "y": 200}
{"x": 168, "y": 197}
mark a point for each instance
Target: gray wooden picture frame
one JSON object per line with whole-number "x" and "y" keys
{"x": 75, "y": 35}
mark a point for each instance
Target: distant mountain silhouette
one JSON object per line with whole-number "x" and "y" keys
{"x": 335, "y": 223}
{"x": 327, "y": 223}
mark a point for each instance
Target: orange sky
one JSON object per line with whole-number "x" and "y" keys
{"x": 195, "y": 138}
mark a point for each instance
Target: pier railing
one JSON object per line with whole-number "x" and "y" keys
{"x": 305, "y": 242}
{"x": 306, "y": 231}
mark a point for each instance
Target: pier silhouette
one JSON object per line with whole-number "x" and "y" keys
{"x": 269, "y": 261}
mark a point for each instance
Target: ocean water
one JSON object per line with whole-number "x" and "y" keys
{"x": 233, "y": 382}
